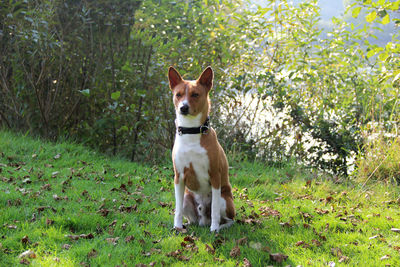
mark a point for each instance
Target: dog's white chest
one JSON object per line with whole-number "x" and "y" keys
{"x": 188, "y": 151}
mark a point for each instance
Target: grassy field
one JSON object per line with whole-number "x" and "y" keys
{"x": 63, "y": 204}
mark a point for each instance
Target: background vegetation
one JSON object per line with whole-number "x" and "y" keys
{"x": 95, "y": 71}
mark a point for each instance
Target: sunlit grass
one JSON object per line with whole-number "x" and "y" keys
{"x": 108, "y": 201}
{"x": 380, "y": 161}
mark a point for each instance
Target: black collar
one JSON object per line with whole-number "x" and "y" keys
{"x": 203, "y": 129}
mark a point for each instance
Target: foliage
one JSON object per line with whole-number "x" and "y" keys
{"x": 95, "y": 71}
{"x": 72, "y": 206}
{"x": 324, "y": 90}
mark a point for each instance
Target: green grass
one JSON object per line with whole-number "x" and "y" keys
{"x": 276, "y": 208}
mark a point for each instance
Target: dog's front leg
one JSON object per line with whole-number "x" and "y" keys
{"x": 179, "y": 192}
{"x": 215, "y": 208}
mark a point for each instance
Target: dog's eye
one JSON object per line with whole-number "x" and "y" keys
{"x": 178, "y": 95}
{"x": 195, "y": 95}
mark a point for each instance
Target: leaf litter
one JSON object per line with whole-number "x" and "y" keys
{"x": 188, "y": 248}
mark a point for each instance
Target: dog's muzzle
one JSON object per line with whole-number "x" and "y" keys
{"x": 184, "y": 109}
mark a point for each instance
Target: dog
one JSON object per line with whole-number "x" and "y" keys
{"x": 203, "y": 193}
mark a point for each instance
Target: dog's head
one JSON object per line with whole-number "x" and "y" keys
{"x": 191, "y": 97}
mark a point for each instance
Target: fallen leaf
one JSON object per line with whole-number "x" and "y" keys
{"x": 84, "y": 236}
{"x": 306, "y": 216}
{"x": 210, "y": 249}
{"x": 344, "y": 259}
{"x": 235, "y": 252}
{"x": 112, "y": 240}
{"x": 104, "y": 212}
{"x": 385, "y": 257}
{"x": 285, "y": 224}
{"x": 278, "y": 257}
{"x": 219, "y": 260}
{"x": 303, "y": 244}
{"x": 27, "y": 181}
{"x": 92, "y": 253}
{"x": 267, "y": 211}
{"x": 321, "y": 211}
{"x": 190, "y": 246}
{"x": 183, "y": 258}
{"x": 25, "y": 240}
{"x": 336, "y": 252}
{"x": 66, "y": 246}
{"x": 49, "y": 221}
{"x": 242, "y": 241}
{"x": 24, "y": 261}
{"x": 329, "y": 199}
{"x": 174, "y": 254}
{"x": 46, "y": 187}
{"x": 129, "y": 238}
{"x": 155, "y": 250}
{"x": 181, "y": 230}
{"x": 163, "y": 204}
{"x": 316, "y": 242}
{"x": 188, "y": 239}
{"x": 27, "y": 254}
{"x": 246, "y": 263}
{"x": 113, "y": 223}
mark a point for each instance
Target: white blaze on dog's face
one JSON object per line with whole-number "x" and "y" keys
{"x": 191, "y": 97}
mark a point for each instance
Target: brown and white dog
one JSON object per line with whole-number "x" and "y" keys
{"x": 202, "y": 190}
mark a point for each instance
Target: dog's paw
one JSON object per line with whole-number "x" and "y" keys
{"x": 214, "y": 228}
{"x": 180, "y": 230}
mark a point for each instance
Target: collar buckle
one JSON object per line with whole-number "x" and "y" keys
{"x": 204, "y": 129}
{"x": 180, "y": 131}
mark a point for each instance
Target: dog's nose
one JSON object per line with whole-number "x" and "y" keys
{"x": 185, "y": 109}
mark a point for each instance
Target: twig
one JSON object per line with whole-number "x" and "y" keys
{"x": 369, "y": 177}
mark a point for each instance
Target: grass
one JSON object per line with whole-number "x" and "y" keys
{"x": 380, "y": 160}
{"x": 71, "y": 206}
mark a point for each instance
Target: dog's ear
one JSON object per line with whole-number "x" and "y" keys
{"x": 174, "y": 77}
{"x": 206, "y": 78}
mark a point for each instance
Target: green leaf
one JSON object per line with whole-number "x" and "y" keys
{"x": 383, "y": 56}
{"x": 371, "y": 16}
{"x": 397, "y": 77}
{"x": 371, "y": 53}
{"x": 116, "y": 95}
{"x": 356, "y": 12}
{"x": 127, "y": 67}
{"x": 124, "y": 128}
{"x": 85, "y": 92}
{"x": 374, "y": 51}
{"x": 386, "y": 19}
